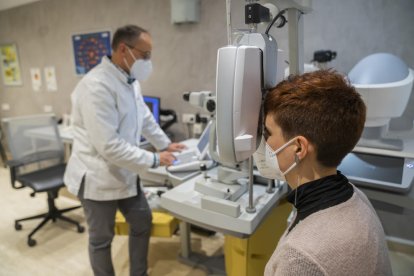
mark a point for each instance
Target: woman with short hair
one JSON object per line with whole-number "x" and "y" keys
{"x": 312, "y": 122}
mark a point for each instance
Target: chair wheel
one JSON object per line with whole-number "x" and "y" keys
{"x": 81, "y": 229}
{"x": 17, "y": 226}
{"x": 31, "y": 242}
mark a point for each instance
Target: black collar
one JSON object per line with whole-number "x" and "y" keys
{"x": 320, "y": 194}
{"x": 130, "y": 80}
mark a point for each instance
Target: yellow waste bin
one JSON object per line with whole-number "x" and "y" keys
{"x": 163, "y": 224}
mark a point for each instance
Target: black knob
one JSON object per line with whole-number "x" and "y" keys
{"x": 211, "y": 105}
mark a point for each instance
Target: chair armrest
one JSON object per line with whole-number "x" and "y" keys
{"x": 13, "y": 165}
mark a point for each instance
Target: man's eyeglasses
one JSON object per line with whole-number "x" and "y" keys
{"x": 145, "y": 54}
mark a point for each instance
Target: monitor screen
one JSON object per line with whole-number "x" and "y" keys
{"x": 153, "y": 104}
{"x": 373, "y": 167}
{"x": 204, "y": 138}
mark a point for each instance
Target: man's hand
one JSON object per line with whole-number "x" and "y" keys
{"x": 166, "y": 158}
{"x": 176, "y": 147}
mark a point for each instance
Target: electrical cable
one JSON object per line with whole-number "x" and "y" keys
{"x": 280, "y": 14}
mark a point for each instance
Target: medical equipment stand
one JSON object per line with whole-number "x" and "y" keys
{"x": 251, "y": 209}
{"x": 184, "y": 202}
{"x": 211, "y": 264}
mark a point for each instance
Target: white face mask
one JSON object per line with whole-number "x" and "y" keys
{"x": 267, "y": 163}
{"x": 141, "y": 69}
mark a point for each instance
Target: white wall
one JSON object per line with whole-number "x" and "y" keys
{"x": 184, "y": 56}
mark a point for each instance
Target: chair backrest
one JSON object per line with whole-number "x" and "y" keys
{"x": 3, "y": 157}
{"x": 33, "y": 139}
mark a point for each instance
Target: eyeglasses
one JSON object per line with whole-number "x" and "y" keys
{"x": 145, "y": 54}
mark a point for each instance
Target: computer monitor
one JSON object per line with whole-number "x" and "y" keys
{"x": 153, "y": 104}
{"x": 203, "y": 142}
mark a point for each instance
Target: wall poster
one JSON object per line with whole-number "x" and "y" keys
{"x": 50, "y": 78}
{"x": 36, "y": 79}
{"x": 89, "y": 49}
{"x": 10, "y": 67}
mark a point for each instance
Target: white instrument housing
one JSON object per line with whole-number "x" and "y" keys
{"x": 238, "y": 94}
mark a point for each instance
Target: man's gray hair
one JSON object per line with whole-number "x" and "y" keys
{"x": 127, "y": 34}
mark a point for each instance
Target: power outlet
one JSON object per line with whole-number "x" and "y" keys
{"x": 197, "y": 128}
{"x": 205, "y": 118}
{"x": 188, "y": 118}
{"x": 47, "y": 108}
{"x": 5, "y": 107}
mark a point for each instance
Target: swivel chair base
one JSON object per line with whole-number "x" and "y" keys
{"x": 53, "y": 214}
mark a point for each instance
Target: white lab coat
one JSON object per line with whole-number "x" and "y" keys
{"x": 109, "y": 115}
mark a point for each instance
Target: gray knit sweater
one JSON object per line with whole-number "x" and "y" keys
{"x": 346, "y": 239}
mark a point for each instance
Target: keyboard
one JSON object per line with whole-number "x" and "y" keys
{"x": 185, "y": 157}
{"x": 190, "y": 166}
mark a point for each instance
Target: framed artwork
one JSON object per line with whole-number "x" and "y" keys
{"x": 36, "y": 79}
{"x": 89, "y": 48}
{"x": 10, "y": 67}
{"x": 50, "y": 78}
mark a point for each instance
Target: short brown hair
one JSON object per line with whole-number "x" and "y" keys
{"x": 321, "y": 106}
{"x": 127, "y": 34}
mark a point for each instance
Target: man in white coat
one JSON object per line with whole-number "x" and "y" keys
{"x": 109, "y": 116}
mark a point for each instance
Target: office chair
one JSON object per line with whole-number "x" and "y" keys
{"x": 37, "y": 162}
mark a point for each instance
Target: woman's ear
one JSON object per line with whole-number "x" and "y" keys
{"x": 302, "y": 147}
